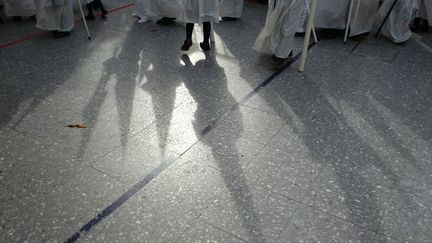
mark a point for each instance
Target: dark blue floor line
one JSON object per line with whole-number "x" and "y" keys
{"x": 154, "y": 173}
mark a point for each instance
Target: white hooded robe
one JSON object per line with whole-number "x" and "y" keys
{"x": 396, "y": 27}
{"x": 163, "y": 8}
{"x": 59, "y": 17}
{"x": 200, "y": 11}
{"x": 231, "y": 8}
{"x": 277, "y": 36}
{"x": 333, "y": 14}
{"x": 22, "y": 8}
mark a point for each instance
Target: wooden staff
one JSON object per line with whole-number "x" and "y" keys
{"x": 84, "y": 19}
{"x": 307, "y": 36}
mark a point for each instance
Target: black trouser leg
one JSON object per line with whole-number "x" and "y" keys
{"x": 90, "y": 15}
{"x": 189, "y": 31}
{"x": 207, "y": 31}
{"x": 101, "y": 7}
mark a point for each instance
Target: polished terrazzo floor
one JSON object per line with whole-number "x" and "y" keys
{"x": 216, "y": 147}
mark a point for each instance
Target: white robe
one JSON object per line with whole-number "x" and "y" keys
{"x": 163, "y": 8}
{"x": 200, "y": 11}
{"x": 140, "y": 9}
{"x": 331, "y": 16}
{"x": 396, "y": 27}
{"x": 20, "y": 8}
{"x": 425, "y": 10}
{"x": 59, "y": 17}
{"x": 277, "y": 36}
{"x": 231, "y": 8}
{"x": 363, "y": 20}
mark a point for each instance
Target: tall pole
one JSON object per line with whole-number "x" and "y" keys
{"x": 84, "y": 19}
{"x": 307, "y": 36}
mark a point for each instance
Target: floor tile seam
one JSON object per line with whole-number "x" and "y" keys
{"x": 339, "y": 217}
{"x": 43, "y": 197}
{"x": 290, "y": 221}
{"x": 419, "y": 41}
{"x": 391, "y": 237}
{"x": 226, "y": 231}
{"x": 87, "y": 228}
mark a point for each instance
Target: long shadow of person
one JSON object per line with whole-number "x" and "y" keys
{"x": 123, "y": 68}
{"x": 207, "y": 83}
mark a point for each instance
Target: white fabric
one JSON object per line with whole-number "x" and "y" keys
{"x": 363, "y": 20}
{"x": 277, "y": 36}
{"x": 163, "y": 8}
{"x": 396, "y": 27}
{"x": 334, "y": 16}
{"x": 59, "y": 17}
{"x": 20, "y": 8}
{"x": 231, "y": 8}
{"x": 200, "y": 11}
{"x": 140, "y": 9}
{"x": 331, "y": 14}
{"x": 425, "y": 10}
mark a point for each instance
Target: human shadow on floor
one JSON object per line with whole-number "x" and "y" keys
{"x": 207, "y": 83}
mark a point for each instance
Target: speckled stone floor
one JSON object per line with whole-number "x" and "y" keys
{"x": 186, "y": 148}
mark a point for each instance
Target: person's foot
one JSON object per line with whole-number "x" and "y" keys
{"x": 205, "y": 46}
{"x": 143, "y": 20}
{"x": 104, "y": 14}
{"x": 420, "y": 26}
{"x": 166, "y": 21}
{"x": 229, "y": 19}
{"x": 300, "y": 34}
{"x": 17, "y": 18}
{"x": 60, "y": 34}
{"x": 403, "y": 43}
{"x": 186, "y": 45}
{"x": 280, "y": 62}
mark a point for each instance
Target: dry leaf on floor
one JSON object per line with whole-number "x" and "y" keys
{"x": 79, "y": 125}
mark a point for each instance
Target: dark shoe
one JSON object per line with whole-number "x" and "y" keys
{"x": 99, "y": 5}
{"x": 90, "y": 15}
{"x": 300, "y": 34}
{"x": 166, "y": 21}
{"x": 400, "y": 43}
{"x": 17, "y": 18}
{"x": 420, "y": 25}
{"x": 186, "y": 45}
{"x": 229, "y": 19}
{"x": 205, "y": 46}
{"x": 280, "y": 62}
{"x": 60, "y": 34}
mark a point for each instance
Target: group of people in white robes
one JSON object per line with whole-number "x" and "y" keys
{"x": 19, "y": 8}
{"x": 191, "y": 12}
{"x": 53, "y": 15}
{"x": 286, "y": 17}
{"x": 154, "y": 10}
